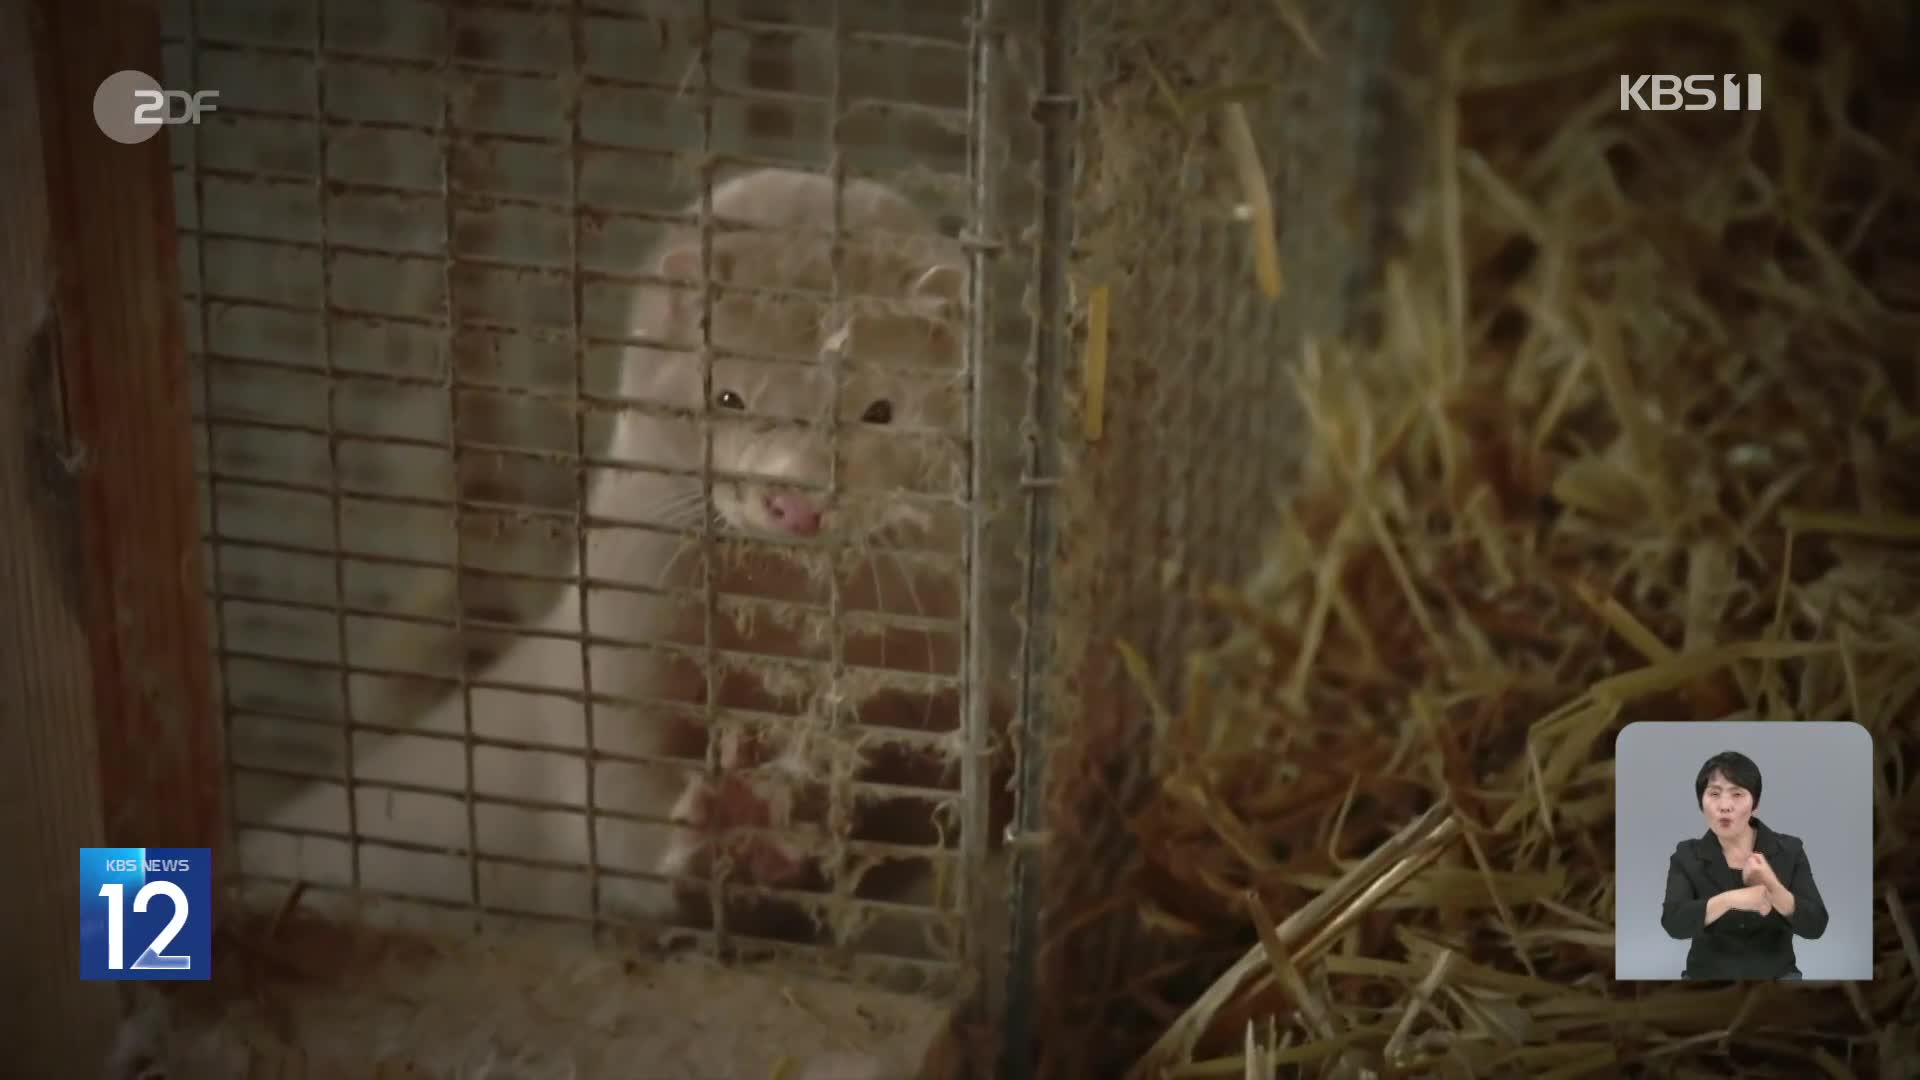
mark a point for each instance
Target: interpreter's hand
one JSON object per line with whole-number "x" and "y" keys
{"x": 1758, "y": 871}
{"x": 1753, "y": 898}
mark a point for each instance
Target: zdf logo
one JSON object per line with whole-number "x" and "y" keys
{"x": 130, "y": 106}
{"x": 1694, "y": 93}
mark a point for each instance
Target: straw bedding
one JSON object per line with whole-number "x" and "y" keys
{"x": 1638, "y": 438}
{"x": 353, "y": 989}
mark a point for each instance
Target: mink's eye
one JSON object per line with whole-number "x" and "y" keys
{"x": 727, "y": 399}
{"x": 880, "y": 412}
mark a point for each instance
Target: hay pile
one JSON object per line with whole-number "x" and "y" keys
{"x": 1640, "y": 440}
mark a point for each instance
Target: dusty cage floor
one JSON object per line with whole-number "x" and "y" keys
{"x": 307, "y": 997}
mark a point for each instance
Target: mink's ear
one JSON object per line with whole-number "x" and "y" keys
{"x": 680, "y": 264}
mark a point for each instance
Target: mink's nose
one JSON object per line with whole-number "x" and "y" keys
{"x": 794, "y": 513}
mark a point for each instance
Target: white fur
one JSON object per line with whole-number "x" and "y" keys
{"x": 561, "y": 777}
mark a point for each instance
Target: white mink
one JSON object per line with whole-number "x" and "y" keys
{"x": 902, "y": 283}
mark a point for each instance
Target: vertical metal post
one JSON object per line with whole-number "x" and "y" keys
{"x": 582, "y": 522}
{"x": 840, "y": 797}
{"x": 216, "y": 606}
{"x": 1055, "y": 112}
{"x": 448, "y": 158}
{"x": 976, "y": 706}
{"x": 709, "y": 601}
{"x": 334, "y": 494}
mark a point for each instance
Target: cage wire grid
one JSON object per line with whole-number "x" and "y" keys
{"x": 1189, "y": 485}
{"x": 395, "y": 234}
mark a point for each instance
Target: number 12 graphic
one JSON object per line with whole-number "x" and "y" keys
{"x": 146, "y": 914}
{"x": 153, "y": 959}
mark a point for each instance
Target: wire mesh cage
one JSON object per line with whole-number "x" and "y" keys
{"x": 630, "y": 434}
{"x": 611, "y": 422}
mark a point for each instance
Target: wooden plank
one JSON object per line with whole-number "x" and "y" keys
{"x": 49, "y": 794}
{"x": 107, "y": 729}
{"x": 124, "y": 371}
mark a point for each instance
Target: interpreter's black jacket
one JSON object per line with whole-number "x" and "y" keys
{"x": 1740, "y": 944}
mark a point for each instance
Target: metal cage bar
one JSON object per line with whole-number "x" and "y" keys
{"x": 836, "y": 722}
{"x": 1055, "y": 116}
{"x": 576, "y": 335}
{"x": 333, "y": 441}
{"x": 449, "y": 165}
{"x": 216, "y": 620}
{"x": 715, "y": 870}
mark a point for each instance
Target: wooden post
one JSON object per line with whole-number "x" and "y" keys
{"x": 108, "y": 732}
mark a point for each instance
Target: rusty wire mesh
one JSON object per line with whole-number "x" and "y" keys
{"x": 1187, "y": 482}
{"x": 409, "y": 236}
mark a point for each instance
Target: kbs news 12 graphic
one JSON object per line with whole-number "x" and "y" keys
{"x": 146, "y": 913}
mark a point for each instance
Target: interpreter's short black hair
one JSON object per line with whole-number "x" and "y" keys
{"x": 1736, "y": 767}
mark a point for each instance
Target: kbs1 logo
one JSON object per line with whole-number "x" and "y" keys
{"x": 146, "y": 913}
{"x": 1693, "y": 93}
